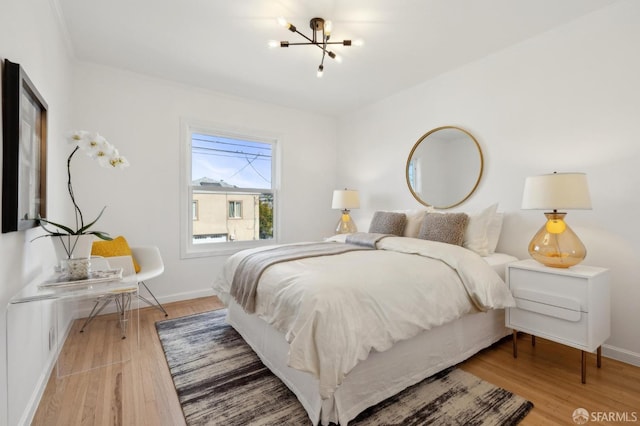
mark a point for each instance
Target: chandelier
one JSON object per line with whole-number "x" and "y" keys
{"x": 321, "y": 32}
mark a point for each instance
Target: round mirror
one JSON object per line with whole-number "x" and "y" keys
{"x": 444, "y": 167}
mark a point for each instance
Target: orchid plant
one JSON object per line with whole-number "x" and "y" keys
{"x": 96, "y": 147}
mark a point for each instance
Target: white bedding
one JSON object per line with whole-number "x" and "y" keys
{"x": 499, "y": 261}
{"x": 363, "y": 301}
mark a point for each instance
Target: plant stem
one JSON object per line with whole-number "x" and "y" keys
{"x": 78, "y": 212}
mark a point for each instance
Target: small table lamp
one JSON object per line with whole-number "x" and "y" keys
{"x": 555, "y": 244}
{"x": 345, "y": 199}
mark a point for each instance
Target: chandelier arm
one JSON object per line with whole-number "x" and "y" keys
{"x": 310, "y": 40}
{"x": 317, "y": 43}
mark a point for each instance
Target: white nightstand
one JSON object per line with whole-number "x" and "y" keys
{"x": 569, "y": 306}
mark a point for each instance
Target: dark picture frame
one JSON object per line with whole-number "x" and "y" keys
{"x": 24, "y": 150}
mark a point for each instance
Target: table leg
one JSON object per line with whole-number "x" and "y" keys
{"x": 123, "y": 303}
{"x": 599, "y": 356}
{"x": 533, "y": 340}
{"x": 515, "y": 344}
{"x": 584, "y": 367}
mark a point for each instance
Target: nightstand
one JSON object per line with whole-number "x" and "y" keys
{"x": 568, "y": 306}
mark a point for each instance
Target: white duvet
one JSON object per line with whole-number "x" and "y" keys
{"x": 334, "y": 310}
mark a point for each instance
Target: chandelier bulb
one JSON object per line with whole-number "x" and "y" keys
{"x": 282, "y": 22}
{"x": 320, "y": 71}
{"x": 273, "y": 43}
{"x": 328, "y": 26}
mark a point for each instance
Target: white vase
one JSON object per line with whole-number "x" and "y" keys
{"x": 73, "y": 246}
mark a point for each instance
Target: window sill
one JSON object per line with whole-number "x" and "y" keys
{"x": 223, "y": 249}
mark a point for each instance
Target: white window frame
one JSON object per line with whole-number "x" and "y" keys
{"x": 190, "y": 126}
{"x": 235, "y": 203}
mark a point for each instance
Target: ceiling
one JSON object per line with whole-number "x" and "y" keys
{"x": 221, "y": 45}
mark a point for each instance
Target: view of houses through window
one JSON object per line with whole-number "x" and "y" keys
{"x": 232, "y": 189}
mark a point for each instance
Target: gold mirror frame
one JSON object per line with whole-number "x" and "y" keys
{"x": 455, "y": 167}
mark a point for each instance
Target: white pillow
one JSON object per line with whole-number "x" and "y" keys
{"x": 475, "y": 235}
{"x": 415, "y": 218}
{"x": 493, "y": 231}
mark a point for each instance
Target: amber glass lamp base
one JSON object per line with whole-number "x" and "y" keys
{"x": 556, "y": 245}
{"x": 346, "y": 225}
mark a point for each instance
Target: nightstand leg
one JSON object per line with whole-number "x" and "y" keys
{"x": 599, "y": 356}
{"x": 515, "y": 344}
{"x": 584, "y": 367}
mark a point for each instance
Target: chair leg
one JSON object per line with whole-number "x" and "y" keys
{"x": 95, "y": 313}
{"x": 156, "y": 305}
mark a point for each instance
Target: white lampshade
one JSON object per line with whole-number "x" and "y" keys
{"x": 556, "y": 191}
{"x": 345, "y": 199}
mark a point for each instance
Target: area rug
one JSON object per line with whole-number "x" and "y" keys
{"x": 221, "y": 381}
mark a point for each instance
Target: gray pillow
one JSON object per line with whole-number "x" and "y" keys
{"x": 388, "y": 223}
{"x": 444, "y": 227}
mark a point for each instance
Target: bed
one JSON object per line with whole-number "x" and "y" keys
{"x": 374, "y": 328}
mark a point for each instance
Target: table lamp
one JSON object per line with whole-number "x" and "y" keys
{"x": 345, "y": 199}
{"x": 555, "y": 244}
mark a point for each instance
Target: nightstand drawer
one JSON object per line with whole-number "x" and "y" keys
{"x": 549, "y": 299}
{"x": 558, "y": 324}
{"x": 553, "y": 289}
{"x": 560, "y": 312}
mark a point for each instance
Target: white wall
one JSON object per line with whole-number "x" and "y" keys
{"x": 29, "y": 36}
{"x": 566, "y": 100}
{"x": 141, "y": 117}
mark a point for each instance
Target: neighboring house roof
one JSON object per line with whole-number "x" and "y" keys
{"x": 205, "y": 181}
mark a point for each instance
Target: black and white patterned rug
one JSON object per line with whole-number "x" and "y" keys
{"x": 221, "y": 381}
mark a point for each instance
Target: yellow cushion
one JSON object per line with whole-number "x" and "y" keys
{"x": 116, "y": 247}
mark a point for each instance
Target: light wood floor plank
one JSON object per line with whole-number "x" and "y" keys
{"x": 141, "y": 392}
{"x": 548, "y": 374}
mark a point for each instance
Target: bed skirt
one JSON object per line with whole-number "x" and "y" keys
{"x": 382, "y": 374}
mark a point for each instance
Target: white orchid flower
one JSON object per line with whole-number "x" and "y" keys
{"x": 118, "y": 161}
{"x": 96, "y": 146}
{"x": 75, "y": 136}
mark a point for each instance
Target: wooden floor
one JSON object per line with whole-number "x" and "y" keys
{"x": 140, "y": 391}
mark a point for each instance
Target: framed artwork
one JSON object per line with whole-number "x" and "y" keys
{"x": 24, "y": 150}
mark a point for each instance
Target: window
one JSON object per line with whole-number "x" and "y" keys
{"x": 235, "y": 209}
{"x": 230, "y": 188}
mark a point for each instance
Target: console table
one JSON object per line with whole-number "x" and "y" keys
{"x": 70, "y": 294}
{"x": 53, "y": 309}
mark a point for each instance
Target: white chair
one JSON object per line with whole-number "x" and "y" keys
{"x": 121, "y": 298}
{"x": 151, "y": 266}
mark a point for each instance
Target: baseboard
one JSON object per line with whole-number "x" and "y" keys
{"x": 84, "y": 310}
{"x": 177, "y": 297}
{"x": 622, "y": 355}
